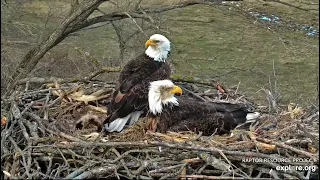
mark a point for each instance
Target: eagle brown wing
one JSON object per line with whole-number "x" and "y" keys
{"x": 131, "y": 93}
{"x": 207, "y": 117}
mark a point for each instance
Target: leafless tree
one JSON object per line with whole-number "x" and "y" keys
{"x": 78, "y": 18}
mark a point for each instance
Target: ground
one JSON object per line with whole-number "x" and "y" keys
{"x": 251, "y": 44}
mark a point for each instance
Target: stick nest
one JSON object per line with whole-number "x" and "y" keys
{"x": 52, "y": 133}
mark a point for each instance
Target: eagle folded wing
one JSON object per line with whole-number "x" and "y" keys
{"x": 207, "y": 117}
{"x": 130, "y": 98}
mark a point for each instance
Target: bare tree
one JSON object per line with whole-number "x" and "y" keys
{"x": 78, "y": 19}
{"x": 34, "y": 55}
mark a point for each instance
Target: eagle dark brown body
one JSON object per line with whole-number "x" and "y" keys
{"x": 192, "y": 115}
{"x": 131, "y": 93}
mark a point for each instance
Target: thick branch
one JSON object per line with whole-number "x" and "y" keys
{"x": 34, "y": 55}
{"x": 138, "y": 14}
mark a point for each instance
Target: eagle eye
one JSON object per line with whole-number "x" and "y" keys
{"x": 165, "y": 88}
{"x": 156, "y": 41}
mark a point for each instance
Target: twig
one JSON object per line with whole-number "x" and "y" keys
{"x": 137, "y": 14}
{"x": 24, "y": 163}
{"x": 5, "y": 134}
{"x": 49, "y": 167}
{"x": 103, "y": 70}
{"x": 29, "y": 143}
{"x": 175, "y": 173}
{"x": 310, "y": 118}
{"x": 167, "y": 168}
{"x": 274, "y": 174}
{"x": 171, "y": 145}
{"x": 129, "y": 173}
{"x": 313, "y": 139}
{"x": 298, "y": 141}
{"x": 33, "y": 127}
{"x": 209, "y": 177}
{"x": 41, "y": 80}
{"x": 7, "y": 174}
{"x": 135, "y": 151}
{"x": 177, "y": 78}
{"x": 77, "y": 172}
{"x": 194, "y": 94}
{"x": 39, "y": 121}
{"x": 299, "y": 151}
{"x": 135, "y": 22}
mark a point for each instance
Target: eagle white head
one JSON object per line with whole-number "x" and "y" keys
{"x": 162, "y": 93}
{"x": 158, "y": 47}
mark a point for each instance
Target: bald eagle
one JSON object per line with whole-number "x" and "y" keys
{"x": 130, "y": 98}
{"x": 181, "y": 113}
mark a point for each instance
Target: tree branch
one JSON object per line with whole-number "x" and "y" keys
{"x": 76, "y": 21}
{"x": 139, "y": 14}
{"x": 32, "y": 58}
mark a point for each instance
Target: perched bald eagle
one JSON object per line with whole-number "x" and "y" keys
{"x": 130, "y": 98}
{"x": 181, "y": 113}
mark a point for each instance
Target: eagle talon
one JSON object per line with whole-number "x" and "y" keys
{"x": 151, "y": 125}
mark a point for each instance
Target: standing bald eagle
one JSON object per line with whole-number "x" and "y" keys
{"x": 130, "y": 98}
{"x": 167, "y": 112}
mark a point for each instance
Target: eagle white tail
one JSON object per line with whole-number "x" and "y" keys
{"x": 252, "y": 116}
{"x": 134, "y": 117}
{"x": 118, "y": 124}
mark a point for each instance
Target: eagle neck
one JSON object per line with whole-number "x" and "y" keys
{"x": 156, "y": 104}
{"x": 159, "y": 55}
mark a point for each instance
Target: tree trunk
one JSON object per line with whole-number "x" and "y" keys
{"x": 32, "y": 58}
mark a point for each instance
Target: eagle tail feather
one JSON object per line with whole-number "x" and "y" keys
{"x": 241, "y": 117}
{"x": 117, "y": 125}
{"x": 252, "y": 116}
{"x": 236, "y": 113}
{"x": 135, "y": 116}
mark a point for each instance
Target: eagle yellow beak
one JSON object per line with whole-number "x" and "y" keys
{"x": 176, "y": 90}
{"x": 150, "y": 43}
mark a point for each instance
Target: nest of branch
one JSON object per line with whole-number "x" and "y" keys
{"x": 52, "y": 133}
